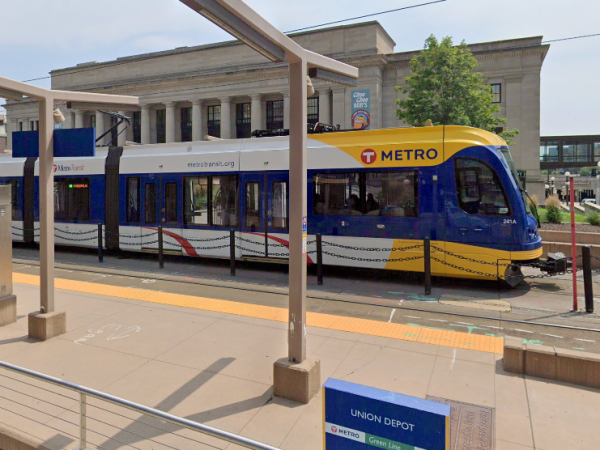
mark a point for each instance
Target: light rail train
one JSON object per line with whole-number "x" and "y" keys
{"x": 374, "y": 196}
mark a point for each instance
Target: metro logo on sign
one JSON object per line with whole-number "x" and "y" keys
{"x": 368, "y": 156}
{"x": 333, "y": 429}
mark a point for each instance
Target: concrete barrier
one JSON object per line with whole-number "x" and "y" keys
{"x": 569, "y": 366}
{"x": 590, "y": 207}
{"x": 565, "y": 236}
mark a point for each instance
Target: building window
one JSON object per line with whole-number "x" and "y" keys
{"x": 312, "y": 110}
{"x": 34, "y": 125}
{"x": 211, "y": 200}
{"x": 186, "y": 124}
{"x": 497, "y": 93}
{"x": 549, "y": 151}
{"x": 93, "y": 123}
{"x": 133, "y": 199}
{"x": 574, "y": 151}
{"x": 478, "y": 188}
{"x": 214, "y": 120}
{"x": 20, "y": 126}
{"x": 196, "y": 195}
{"x": 72, "y": 199}
{"x": 243, "y": 121}
{"x": 596, "y": 151}
{"x": 161, "y": 126}
{"x": 275, "y": 115}
{"x": 137, "y": 126}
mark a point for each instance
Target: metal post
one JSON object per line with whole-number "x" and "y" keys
{"x": 161, "y": 256}
{"x": 46, "y": 205}
{"x": 427, "y": 268}
{"x": 319, "y": 260}
{"x": 232, "y": 252}
{"x": 297, "y": 165}
{"x": 573, "y": 245}
{"x": 82, "y": 421}
{"x": 587, "y": 279}
{"x": 100, "y": 244}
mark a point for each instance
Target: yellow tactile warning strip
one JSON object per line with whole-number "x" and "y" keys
{"x": 445, "y": 338}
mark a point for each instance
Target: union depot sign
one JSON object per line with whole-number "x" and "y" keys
{"x": 359, "y": 417}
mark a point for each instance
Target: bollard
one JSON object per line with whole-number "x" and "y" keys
{"x": 319, "y": 260}
{"x": 587, "y": 279}
{"x": 427, "y": 268}
{"x": 161, "y": 256}
{"x": 100, "y": 244}
{"x": 232, "y": 252}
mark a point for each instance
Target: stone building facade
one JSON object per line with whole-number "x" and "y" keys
{"x": 227, "y": 90}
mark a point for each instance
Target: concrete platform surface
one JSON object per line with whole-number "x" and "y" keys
{"x": 217, "y": 368}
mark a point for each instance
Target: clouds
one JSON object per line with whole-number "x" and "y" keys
{"x": 39, "y": 36}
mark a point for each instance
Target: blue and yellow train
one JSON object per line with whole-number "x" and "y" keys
{"x": 374, "y": 196}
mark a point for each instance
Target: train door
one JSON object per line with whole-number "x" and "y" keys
{"x": 277, "y": 214}
{"x": 253, "y": 212}
{"x": 160, "y": 200}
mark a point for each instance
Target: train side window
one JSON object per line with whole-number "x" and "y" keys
{"x": 150, "y": 203}
{"x": 14, "y": 195}
{"x": 252, "y": 212}
{"x": 392, "y": 193}
{"x": 337, "y": 194}
{"x": 196, "y": 200}
{"x": 170, "y": 202}
{"x": 478, "y": 188}
{"x": 279, "y": 206}
{"x": 224, "y": 200}
{"x": 133, "y": 199}
{"x": 72, "y": 199}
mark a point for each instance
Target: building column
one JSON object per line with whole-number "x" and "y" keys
{"x": 226, "y": 118}
{"x": 170, "y": 122}
{"x": 256, "y": 113}
{"x": 145, "y": 134}
{"x": 339, "y": 107}
{"x": 12, "y": 125}
{"x": 196, "y": 120}
{"x": 79, "y": 115}
{"x": 286, "y": 110}
{"x": 122, "y": 129}
{"x": 325, "y": 106}
{"x": 100, "y": 128}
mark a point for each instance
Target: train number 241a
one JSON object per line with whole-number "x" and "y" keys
{"x": 510, "y": 222}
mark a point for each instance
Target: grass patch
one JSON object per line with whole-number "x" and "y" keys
{"x": 565, "y": 216}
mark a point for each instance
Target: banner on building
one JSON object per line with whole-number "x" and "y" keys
{"x": 361, "y": 109}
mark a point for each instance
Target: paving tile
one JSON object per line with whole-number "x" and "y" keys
{"x": 467, "y": 355}
{"x": 505, "y": 445}
{"x": 307, "y": 433}
{"x": 513, "y": 421}
{"x": 464, "y": 381}
{"x": 563, "y": 415}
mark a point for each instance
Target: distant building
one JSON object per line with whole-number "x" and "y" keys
{"x": 228, "y": 90}
{"x": 3, "y": 136}
{"x": 565, "y": 152}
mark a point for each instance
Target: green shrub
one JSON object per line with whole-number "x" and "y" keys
{"x": 553, "y": 214}
{"x": 593, "y": 219}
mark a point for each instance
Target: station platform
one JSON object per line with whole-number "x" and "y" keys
{"x": 211, "y": 361}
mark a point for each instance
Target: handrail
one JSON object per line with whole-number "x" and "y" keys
{"x": 185, "y": 423}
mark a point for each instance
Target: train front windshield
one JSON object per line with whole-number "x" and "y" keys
{"x": 505, "y": 153}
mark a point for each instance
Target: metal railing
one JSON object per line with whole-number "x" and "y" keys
{"x": 85, "y": 392}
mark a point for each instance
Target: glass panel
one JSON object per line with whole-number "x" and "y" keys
{"x": 275, "y": 115}
{"x": 161, "y": 117}
{"x": 279, "y": 208}
{"x": 214, "y": 120}
{"x": 497, "y": 93}
{"x": 137, "y": 126}
{"x": 170, "y": 202}
{"x": 582, "y": 151}
{"x": 150, "y": 203}
{"x": 253, "y": 204}
{"x": 133, "y": 199}
{"x": 568, "y": 151}
{"x": 392, "y": 194}
{"x": 478, "y": 188}
{"x": 337, "y": 193}
{"x": 186, "y": 124}
{"x": 224, "y": 200}
{"x": 196, "y": 200}
{"x": 72, "y": 199}
{"x": 596, "y": 151}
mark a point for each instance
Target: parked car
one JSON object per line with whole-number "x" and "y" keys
{"x": 588, "y": 200}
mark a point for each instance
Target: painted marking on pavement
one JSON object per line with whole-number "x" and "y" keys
{"x": 392, "y": 315}
{"x": 465, "y": 323}
{"x": 584, "y": 340}
{"x": 438, "y": 320}
{"x": 413, "y": 317}
{"x": 552, "y": 335}
{"x": 522, "y": 331}
{"x": 414, "y": 332}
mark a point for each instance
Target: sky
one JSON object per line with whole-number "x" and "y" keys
{"x": 39, "y": 36}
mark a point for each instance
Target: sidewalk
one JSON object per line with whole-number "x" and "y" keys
{"x": 216, "y": 368}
